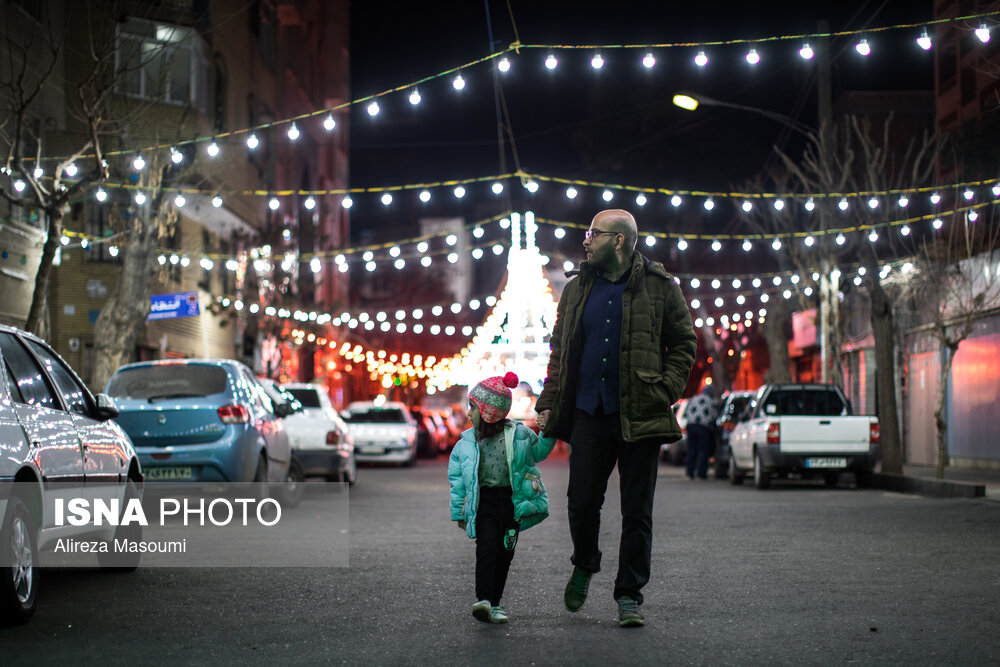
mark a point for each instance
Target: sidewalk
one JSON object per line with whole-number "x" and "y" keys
{"x": 989, "y": 479}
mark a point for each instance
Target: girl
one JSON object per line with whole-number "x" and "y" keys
{"x": 496, "y": 488}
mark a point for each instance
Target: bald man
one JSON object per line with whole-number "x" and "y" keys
{"x": 622, "y": 348}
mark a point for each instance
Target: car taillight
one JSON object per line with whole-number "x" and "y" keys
{"x": 234, "y": 414}
{"x": 773, "y": 433}
{"x": 873, "y": 433}
{"x": 728, "y": 426}
{"x": 332, "y": 438}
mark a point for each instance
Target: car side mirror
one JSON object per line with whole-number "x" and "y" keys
{"x": 106, "y": 407}
{"x": 283, "y": 409}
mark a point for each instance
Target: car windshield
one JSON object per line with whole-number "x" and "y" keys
{"x": 821, "y": 403}
{"x": 165, "y": 381}
{"x": 309, "y": 398}
{"x": 376, "y": 416}
{"x": 736, "y": 407}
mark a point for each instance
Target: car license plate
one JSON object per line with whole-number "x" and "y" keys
{"x": 168, "y": 472}
{"x": 826, "y": 462}
{"x": 371, "y": 450}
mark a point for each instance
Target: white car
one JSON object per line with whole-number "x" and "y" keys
{"x": 383, "y": 433}
{"x": 321, "y": 441}
{"x": 58, "y": 442}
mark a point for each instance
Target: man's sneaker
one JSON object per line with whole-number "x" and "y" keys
{"x": 629, "y": 615}
{"x": 498, "y": 615}
{"x": 481, "y": 610}
{"x": 576, "y": 590}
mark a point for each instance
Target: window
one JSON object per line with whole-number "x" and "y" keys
{"x": 162, "y": 62}
{"x": 376, "y": 416}
{"x": 809, "y": 402}
{"x": 31, "y": 382}
{"x": 309, "y": 398}
{"x": 75, "y": 396}
{"x": 168, "y": 381}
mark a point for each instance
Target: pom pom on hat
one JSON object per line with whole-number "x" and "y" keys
{"x": 493, "y": 397}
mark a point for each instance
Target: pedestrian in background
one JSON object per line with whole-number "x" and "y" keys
{"x": 496, "y": 488}
{"x": 701, "y": 412}
{"x": 622, "y": 349}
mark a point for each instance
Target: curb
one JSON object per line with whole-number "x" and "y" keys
{"x": 935, "y": 488}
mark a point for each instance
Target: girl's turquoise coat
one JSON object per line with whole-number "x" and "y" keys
{"x": 524, "y": 450}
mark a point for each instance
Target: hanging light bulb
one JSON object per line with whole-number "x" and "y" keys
{"x": 424, "y": 196}
{"x": 607, "y": 195}
{"x": 873, "y": 236}
{"x": 597, "y": 62}
{"x": 843, "y": 204}
{"x": 841, "y": 239}
{"x": 293, "y": 132}
{"x": 873, "y": 203}
{"x": 935, "y": 199}
{"x": 216, "y": 201}
{"x": 252, "y": 141}
{"x": 747, "y": 206}
{"x": 924, "y": 41}
{"x": 716, "y": 245}
{"x": 809, "y": 241}
{"x": 675, "y": 201}
{"x": 682, "y": 244}
{"x": 19, "y": 185}
{"x": 373, "y": 109}
{"x": 905, "y": 230}
{"x": 386, "y": 199}
{"x": 531, "y": 186}
{"x": 101, "y": 195}
{"x": 551, "y": 62}
{"x": 415, "y": 97}
{"x": 810, "y": 205}
{"x": 140, "y": 198}
{"x": 458, "y": 82}
{"x": 752, "y": 57}
{"x": 863, "y": 47}
{"x": 983, "y": 33}
{"x": 776, "y": 244}
{"x": 968, "y": 194}
{"x": 996, "y": 190}
{"x": 640, "y": 199}
{"x": 179, "y": 200}
{"x": 938, "y": 223}
{"x": 648, "y": 61}
{"x": 71, "y": 170}
{"x": 701, "y": 59}
{"x": 497, "y": 188}
{"x": 273, "y": 204}
{"x": 212, "y": 149}
{"x": 138, "y": 163}
{"x": 571, "y": 193}
{"x": 709, "y": 204}
{"x": 329, "y": 123}
{"x": 459, "y": 192}
{"x": 504, "y": 65}
{"x": 904, "y": 201}
{"x": 973, "y": 216}
{"x": 176, "y": 156}
{"x": 806, "y": 52}
{"x": 779, "y": 204}
{"x": 309, "y": 203}
{"x": 38, "y": 173}
{"x": 650, "y": 241}
{"x": 747, "y": 246}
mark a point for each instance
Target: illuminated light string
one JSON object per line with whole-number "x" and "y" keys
{"x": 551, "y": 62}
{"x": 530, "y": 181}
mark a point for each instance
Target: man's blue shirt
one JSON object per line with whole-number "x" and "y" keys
{"x": 602, "y": 333}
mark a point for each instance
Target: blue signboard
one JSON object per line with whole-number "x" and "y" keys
{"x": 164, "y": 306}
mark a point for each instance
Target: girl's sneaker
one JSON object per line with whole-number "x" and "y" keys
{"x": 498, "y": 615}
{"x": 481, "y": 610}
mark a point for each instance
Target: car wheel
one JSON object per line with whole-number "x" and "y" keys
{"x": 294, "y": 487}
{"x": 735, "y": 474}
{"x": 761, "y": 477}
{"x": 18, "y": 564}
{"x": 124, "y": 561}
{"x": 830, "y": 479}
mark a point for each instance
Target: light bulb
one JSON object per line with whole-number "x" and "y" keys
{"x": 293, "y": 132}
{"x": 273, "y": 204}
{"x": 310, "y": 203}
{"x": 415, "y": 97}
{"x": 903, "y": 201}
{"x": 806, "y": 52}
{"x": 19, "y": 185}
{"x": 571, "y": 193}
{"x": 386, "y": 199}
{"x": 504, "y": 64}
{"x": 607, "y": 195}
{"x": 640, "y": 199}
{"x": 776, "y": 244}
{"x": 373, "y": 109}
{"x": 212, "y": 149}
{"x": 937, "y": 224}
{"x": 873, "y": 203}
{"x": 675, "y": 201}
{"x": 459, "y": 192}
{"x": 779, "y": 204}
{"x": 329, "y": 123}
{"x": 873, "y": 236}
{"x": 983, "y": 33}
{"x": 458, "y": 82}
{"x": 905, "y": 230}
{"x": 597, "y": 62}
{"x": 747, "y": 246}
{"x": 424, "y": 196}
{"x": 216, "y": 201}
{"x": 935, "y": 198}
{"x": 551, "y": 62}
{"x": 252, "y": 141}
{"x": 752, "y": 57}
{"x": 810, "y": 205}
{"x": 531, "y": 186}
{"x": 176, "y": 156}
{"x": 863, "y": 47}
{"x": 716, "y": 245}
{"x": 701, "y": 59}
{"x": 843, "y": 204}
{"x": 682, "y": 244}
{"x": 101, "y": 195}
{"x": 709, "y": 204}
{"x": 924, "y": 41}
{"x": 497, "y": 188}
{"x": 138, "y": 163}
{"x": 179, "y": 200}
{"x": 996, "y": 190}
{"x": 140, "y": 198}
{"x": 809, "y": 241}
{"x": 71, "y": 170}
{"x": 648, "y": 61}
{"x": 841, "y": 239}
{"x": 968, "y": 194}
{"x": 747, "y": 206}
{"x": 347, "y": 202}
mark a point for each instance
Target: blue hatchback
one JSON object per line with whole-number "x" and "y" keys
{"x": 201, "y": 420}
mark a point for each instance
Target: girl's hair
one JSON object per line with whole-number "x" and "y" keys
{"x": 488, "y": 430}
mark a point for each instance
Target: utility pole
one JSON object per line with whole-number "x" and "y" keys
{"x": 829, "y": 285}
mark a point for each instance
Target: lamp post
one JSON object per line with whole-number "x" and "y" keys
{"x": 690, "y": 101}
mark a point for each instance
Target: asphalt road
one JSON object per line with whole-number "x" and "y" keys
{"x": 798, "y": 574}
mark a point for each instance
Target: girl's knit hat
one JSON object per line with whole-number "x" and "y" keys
{"x": 493, "y": 398}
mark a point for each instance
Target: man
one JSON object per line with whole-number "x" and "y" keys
{"x": 622, "y": 349}
{"x": 701, "y": 412}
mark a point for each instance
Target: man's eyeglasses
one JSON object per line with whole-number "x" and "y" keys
{"x": 591, "y": 233}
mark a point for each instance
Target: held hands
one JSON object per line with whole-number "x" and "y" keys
{"x": 543, "y": 419}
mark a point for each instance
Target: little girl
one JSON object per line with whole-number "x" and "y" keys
{"x": 496, "y": 488}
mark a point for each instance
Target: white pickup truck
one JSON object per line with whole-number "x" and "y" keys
{"x": 804, "y": 429}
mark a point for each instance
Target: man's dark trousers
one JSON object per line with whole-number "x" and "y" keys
{"x": 596, "y": 445}
{"x": 699, "y": 448}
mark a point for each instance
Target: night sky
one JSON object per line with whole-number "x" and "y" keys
{"x": 616, "y": 125}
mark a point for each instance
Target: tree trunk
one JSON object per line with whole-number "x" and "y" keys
{"x": 775, "y": 331}
{"x": 885, "y": 374}
{"x": 39, "y": 298}
{"x": 939, "y": 418}
{"x": 123, "y": 315}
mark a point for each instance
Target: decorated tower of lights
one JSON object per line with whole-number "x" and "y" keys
{"x": 515, "y": 336}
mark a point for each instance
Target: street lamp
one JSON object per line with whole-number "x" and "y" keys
{"x": 690, "y": 101}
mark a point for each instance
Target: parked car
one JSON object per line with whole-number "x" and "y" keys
{"x": 383, "y": 433}
{"x": 675, "y": 452}
{"x": 202, "y": 420}
{"x": 55, "y": 437}
{"x": 733, "y": 405}
{"x": 321, "y": 442}
{"x": 804, "y": 429}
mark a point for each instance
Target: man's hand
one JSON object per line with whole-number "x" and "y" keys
{"x": 461, "y": 524}
{"x": 543, "y": 419}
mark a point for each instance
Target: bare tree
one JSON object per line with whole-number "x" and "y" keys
{"x": 956, "y": 281}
